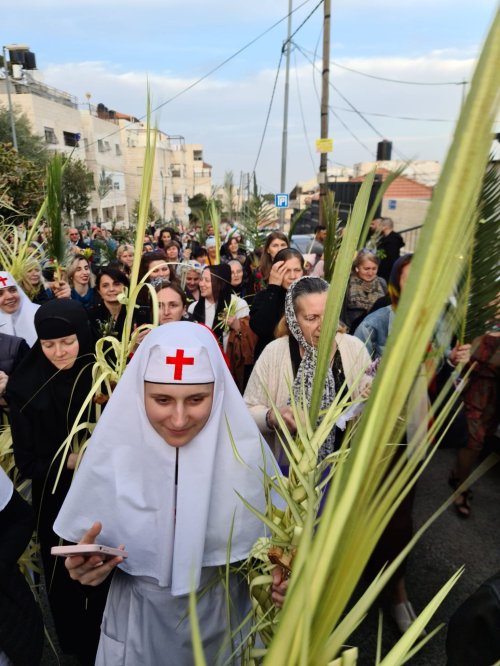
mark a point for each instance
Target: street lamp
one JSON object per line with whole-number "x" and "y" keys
{"x": 11, "y": 47}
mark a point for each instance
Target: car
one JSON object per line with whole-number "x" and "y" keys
{"x": 302, "y": 242}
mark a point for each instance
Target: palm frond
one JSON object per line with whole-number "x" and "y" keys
{"x": 53, "y": 214}
{"x": 480, "y": 295}
{"x": 333, "y": 239}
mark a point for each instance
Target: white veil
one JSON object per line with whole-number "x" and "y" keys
{"x": 127, "y": 476}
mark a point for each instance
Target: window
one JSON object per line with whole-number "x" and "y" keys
{"x": 71, "y": 139}
{"x": 107, "y": 146}
{"x": 198, "y": 155}
{"x": 176, "y": 172}
{"x": 177, "y": 198}
{"x": 118, "y": 150}
{"x": 116, "y": 185}
{"x": 50, "y": 135}
{"x": 100, "y": 145}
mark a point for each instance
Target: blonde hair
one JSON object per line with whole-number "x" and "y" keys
{"x": 123, "y": 248}
{"x": 71, "y": 270}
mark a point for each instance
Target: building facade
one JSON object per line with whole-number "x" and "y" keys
{"x": 112, "y": 145}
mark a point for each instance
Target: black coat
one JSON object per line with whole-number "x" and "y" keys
{"x": 391, "y": 246}
{"x": 21, "y": 623}
{"x": 268, "y": 306}
{"x": 43, "y": 405}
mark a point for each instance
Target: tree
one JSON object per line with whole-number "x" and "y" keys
{"x": 105, "y": 184}
{"x": 30, "y": 146}
{"x": 78, "y": 182}
{"x": 229, "y": 191}
{"x": 153, "y": 213}
{"x": 256, "y": 214}
{"x": 22, "y": 186}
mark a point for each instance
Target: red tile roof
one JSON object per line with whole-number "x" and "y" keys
{"x": 402, "y": 188}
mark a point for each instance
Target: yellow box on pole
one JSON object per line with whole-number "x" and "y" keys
{"x": 324, "y": 145}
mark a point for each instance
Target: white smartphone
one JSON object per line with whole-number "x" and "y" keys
{"x": 88, "y": 549}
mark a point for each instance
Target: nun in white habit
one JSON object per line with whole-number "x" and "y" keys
{"x": 161, "y": 477}
{"x": 17, "y": 312}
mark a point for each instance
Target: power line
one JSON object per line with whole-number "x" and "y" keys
{"x": 302, "y": 111}
{"x": 214, "y": 69}
{"x": 408, "y": 83}
{"x": 268, "y": 111}
{"x": 387, "y": 115}
{"x": 301, "y": 25}
{"x": 363, "y": 145}
{"x": 359, "y": 113}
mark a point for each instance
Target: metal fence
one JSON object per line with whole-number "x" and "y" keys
{"x": 410, "y": 237}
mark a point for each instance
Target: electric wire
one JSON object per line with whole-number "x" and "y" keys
{"x": 340, "y": 94}
{"x": 408, "y": 83}
{"x": 363, "y": 145}
{"x": 299, "y": 96}
{"x": 214, "y": 69}
{"x": 268, "y": 112}
{"x": 289, "y": 42}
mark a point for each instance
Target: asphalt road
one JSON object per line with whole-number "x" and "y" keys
{"x": 448, "y": 544}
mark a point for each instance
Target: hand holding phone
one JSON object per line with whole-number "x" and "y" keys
{"x": 88, "y": 549}
{"x": 94, "y": 567}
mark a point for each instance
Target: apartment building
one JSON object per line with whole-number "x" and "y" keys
{"x": 112, "y": 144}
{"x": 179, "y": 171}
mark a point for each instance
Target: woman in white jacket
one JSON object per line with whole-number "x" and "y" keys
{"x": 290, "y": 360}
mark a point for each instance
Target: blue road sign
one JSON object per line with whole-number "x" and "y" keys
{"x": 281, "y": 200}
{"x": 392, "y": 204}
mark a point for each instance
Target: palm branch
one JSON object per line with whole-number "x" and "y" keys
{"x": 480, "y": 296}
{"x": 55, "y": 240}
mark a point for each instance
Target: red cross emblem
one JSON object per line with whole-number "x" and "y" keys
{"x": 179, "y": 361}
{"x": 3, "y": 280}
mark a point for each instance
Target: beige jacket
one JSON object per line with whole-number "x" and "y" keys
{"x": 273, "y": 371}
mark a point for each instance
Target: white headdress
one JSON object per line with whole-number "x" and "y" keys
{"x": 127, "y": 476}
{"x": 21, "y": 323}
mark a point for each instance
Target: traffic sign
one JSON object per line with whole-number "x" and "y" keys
{"x": 281, "y": 200}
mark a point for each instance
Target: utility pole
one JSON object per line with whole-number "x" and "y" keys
{"x": 287, "y": 46}
{"x": 323, "y": 164}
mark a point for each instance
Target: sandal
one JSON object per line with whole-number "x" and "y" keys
{"x": 462, "y": 504}
{"x": 454, "y": 482}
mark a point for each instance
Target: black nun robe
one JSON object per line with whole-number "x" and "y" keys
{"x": 44, "y": 403}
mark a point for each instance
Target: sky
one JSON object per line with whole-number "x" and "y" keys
{"x": 113, "y": 50}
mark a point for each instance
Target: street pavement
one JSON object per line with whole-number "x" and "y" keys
{"x": 451, "y": 542}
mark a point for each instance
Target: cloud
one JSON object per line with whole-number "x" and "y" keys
{"x": 227, "y": 115}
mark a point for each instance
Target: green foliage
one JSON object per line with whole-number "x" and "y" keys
{"x": 21, "y": 186}
{"x": 229, "y": 211}
{"x": 30, "y": 146}
{"x": 333, "y": 237}
{"x": 256, "y": 213}
{"x": 105, "y": 184}
{"x": 77, "y": 184}
{"x": 480, "y": 294}
{"x": 153, "y": 214}
{"x": 198, "y": 205}
{"x": 53, "y": 215}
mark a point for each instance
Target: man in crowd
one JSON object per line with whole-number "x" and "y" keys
{"x": 389, "y": 245}
{"x": 317, "y": 246}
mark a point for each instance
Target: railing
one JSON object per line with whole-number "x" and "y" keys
{"x": 410, "y": 237}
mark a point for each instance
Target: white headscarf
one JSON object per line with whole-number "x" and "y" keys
{"x": 6, "y": 489}
{"x": 127, "y": 476}
{"x": 21, "y": 323}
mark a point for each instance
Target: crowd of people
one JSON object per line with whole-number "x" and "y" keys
{"x": 236, "y": 338}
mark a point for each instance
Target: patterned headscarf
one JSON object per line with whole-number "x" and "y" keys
{"x": 305, "y": 374}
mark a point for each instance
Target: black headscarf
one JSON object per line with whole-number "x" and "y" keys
{"x": 37, "y": 385}
{"x": 221, "y": 284}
